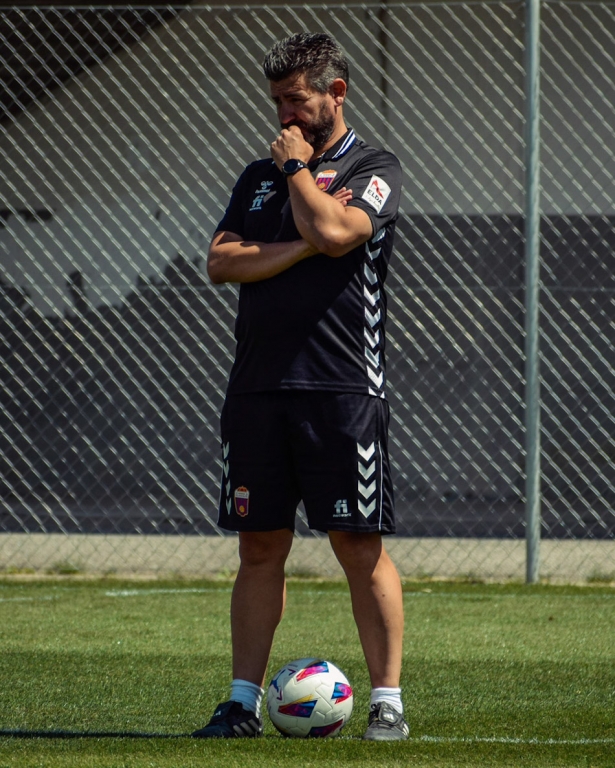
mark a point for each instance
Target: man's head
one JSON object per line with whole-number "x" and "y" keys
{"x": 317, "y": 56}
{"x": 308, "y": 78}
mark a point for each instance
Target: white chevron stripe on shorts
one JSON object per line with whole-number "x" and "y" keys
{"x": 367, "y": 469}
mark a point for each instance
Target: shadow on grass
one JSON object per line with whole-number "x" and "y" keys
{"x": 19, "y": 733}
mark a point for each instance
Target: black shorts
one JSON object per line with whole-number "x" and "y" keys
{"x": 328, "y": 449}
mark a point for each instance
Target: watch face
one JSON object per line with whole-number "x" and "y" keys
{"x": 292, "y": 166}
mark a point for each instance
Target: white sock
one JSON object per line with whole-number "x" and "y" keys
{"x": 392, "y": 696}
{"x": 248, "y": 694}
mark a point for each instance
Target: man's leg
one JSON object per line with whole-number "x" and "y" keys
{"x": 377, "y": 605}
{"x": 257, "y": 606}
{"x": 258, "y": 600}
{"x": 375, "y": 591}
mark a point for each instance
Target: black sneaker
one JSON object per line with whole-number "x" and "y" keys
{"x": 386, "y": 724}
{"x": 231, "y": 721}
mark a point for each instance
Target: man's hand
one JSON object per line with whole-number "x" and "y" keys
{"x": 343, "y": 196}
{"x": 290, "y": 145}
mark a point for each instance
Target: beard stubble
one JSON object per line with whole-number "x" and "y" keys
{"x": 318, "y": 132}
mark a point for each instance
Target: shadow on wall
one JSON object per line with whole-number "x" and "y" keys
{"x": 116, "y": 403}
{"x": 112, "y": 412}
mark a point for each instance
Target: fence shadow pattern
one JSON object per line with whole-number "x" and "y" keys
{"x": 124, "y": 130}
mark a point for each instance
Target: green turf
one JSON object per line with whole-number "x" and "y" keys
{"x": 483, "y": 664}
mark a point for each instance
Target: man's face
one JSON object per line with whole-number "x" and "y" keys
{"x": 312, "y": 112}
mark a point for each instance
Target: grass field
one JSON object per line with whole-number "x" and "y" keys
{"x": 494, "y": 675}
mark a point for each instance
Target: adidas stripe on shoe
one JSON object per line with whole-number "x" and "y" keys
{"x": 231, "y": 721}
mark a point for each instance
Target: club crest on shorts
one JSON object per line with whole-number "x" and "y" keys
{"x": 324, "y": 179}
{"x": 242, "y": 499}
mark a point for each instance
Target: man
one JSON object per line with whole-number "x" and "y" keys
{"x": 308, "y": 234}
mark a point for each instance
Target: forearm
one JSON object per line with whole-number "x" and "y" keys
{"x": 317, "y": 215}
{"x": 232, "y": 260}
{"x": 331, "y": 227}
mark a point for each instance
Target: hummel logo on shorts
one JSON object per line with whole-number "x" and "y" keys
{"x": 341, "y": 508}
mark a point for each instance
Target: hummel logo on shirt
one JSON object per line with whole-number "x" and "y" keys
{"x": 262, "y": 195}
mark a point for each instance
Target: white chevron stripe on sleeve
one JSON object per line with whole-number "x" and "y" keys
{"x": 373, "y": 339}
{"x": 374, "y": 359}
{"x": 372, "y": 319}
{"x": 377, "y": 379}
{"x": 370, "y": 274}
{"x": 373, "y": 298}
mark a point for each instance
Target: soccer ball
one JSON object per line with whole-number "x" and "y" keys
{"x": 308, "y": 698}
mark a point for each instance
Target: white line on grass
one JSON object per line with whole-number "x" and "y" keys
{"x": 320, "y": 592}
{"x": 508, "y": 740}
{"x": 495, "y": 596}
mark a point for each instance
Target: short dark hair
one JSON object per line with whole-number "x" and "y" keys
{"x": 317, "y": 55}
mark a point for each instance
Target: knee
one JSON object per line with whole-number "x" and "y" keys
{"x": 268, "y": 549}
{"x": 357, "y": 551}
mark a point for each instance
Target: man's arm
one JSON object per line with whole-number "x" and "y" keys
{"x": 233, "y": 260}
{"x": 331, "y": 227}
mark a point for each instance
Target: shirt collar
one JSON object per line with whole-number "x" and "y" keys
{"x": 340, "y": 147}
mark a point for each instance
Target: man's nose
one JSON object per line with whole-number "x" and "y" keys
{"x": 286, "y": 113}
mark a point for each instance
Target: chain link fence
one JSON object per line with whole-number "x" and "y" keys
{"x": 124, "y": 130}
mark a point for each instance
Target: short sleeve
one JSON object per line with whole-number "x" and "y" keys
{"x": 234, "y": 217}
{"x": 376, "y": 188}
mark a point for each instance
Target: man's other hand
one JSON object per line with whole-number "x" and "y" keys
{"x": 343, "y": 196}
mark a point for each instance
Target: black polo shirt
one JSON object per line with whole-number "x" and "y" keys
{"x": 319, "y": 325}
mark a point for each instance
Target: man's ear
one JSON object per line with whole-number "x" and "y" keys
{"x": 338, "y": 89}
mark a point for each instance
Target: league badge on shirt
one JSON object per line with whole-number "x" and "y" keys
{"x": 376, "y": 193}
{"x": 324, "y": 179}
{"x": 242, "y": 498}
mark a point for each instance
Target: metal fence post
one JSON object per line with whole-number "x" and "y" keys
{"x": 532, "y": 293}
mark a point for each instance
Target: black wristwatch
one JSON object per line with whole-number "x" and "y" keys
{"x": 291, "y": 167}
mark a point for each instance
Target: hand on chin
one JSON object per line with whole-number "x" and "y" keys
{"x": 290, "y": 144}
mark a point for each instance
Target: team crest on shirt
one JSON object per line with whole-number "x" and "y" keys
{"x": 324, "y": 179}
{"x": 377, "y": 193}
{"x": 242, "y": 499}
